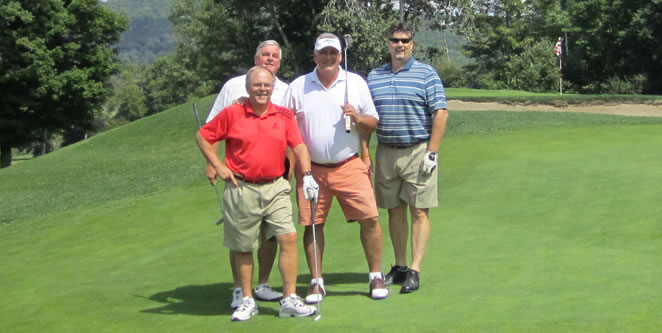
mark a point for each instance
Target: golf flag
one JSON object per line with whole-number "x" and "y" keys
{"x": 557, "y": 48}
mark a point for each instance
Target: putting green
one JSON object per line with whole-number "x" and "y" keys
{"x": 552, "y": 229}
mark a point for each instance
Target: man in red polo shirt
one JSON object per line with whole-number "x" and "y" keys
{"x": 256, "y": 196}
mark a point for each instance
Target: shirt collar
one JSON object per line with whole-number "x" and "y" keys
{"x": 249, "y": 109}
{"x": 340, "y": 78}
{"x": 406, "y": 67}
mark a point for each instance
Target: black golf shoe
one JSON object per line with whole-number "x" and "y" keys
{"x": 396, "y": 275}
{"x": 411, "y": 282}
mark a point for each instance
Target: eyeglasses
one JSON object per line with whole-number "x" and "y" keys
{"x": 402, "y": 40}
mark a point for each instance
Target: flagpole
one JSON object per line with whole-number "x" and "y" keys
{"x": 560, "y": 75}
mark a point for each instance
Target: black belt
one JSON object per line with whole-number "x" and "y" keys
{"x": 400, "y": 145}
{"x": 258, "y": 181}
{"x": 335, "y": 165}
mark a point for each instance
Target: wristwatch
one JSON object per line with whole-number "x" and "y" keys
{"x": 308, "y": 173}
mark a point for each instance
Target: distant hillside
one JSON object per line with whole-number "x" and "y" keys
{"x": 150, "y": 32}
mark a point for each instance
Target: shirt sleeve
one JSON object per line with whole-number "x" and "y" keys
{"x": 367, "y": 106}
{"x": 294, "y": 137}
{"x": 436, "y": 96}
{"x": 216, "y": 129}
{"x": 219, "y": 103}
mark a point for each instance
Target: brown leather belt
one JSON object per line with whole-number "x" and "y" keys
{"x": 335, "y": 165}
{"x": 257, "y": 182}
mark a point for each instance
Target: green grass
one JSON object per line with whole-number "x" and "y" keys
{"x": 547, "y": 222}
{"x": 517, "y": 96}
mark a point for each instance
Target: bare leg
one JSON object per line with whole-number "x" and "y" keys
{"x": 399, "y": 229}
{"x": 235, "y": 270}
{"x": 420, "y": 233}
{"x": 288, "y": 262}
{"x": 266, "y": 255}
{"x": 310, "y": 249}
{"x": 372, "y": 241}
{"x": 244, "y": 262}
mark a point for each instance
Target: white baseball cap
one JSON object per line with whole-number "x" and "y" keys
{"x": 326, "y": 42}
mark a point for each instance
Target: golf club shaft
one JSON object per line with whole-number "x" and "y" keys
{"x": 348, "y": 120}
{"x": 312, "y": 221}
{"x": 218, "y": 195}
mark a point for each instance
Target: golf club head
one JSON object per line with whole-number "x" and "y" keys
{"x": 348, "y": 40}
{"x": 219, "y": 221}
{"x": 318, "y": 317}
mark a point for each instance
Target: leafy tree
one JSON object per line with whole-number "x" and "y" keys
{"x": 55, "y": 61}
{"x": 498, "y": 34}
{"x": 615, "y": 41}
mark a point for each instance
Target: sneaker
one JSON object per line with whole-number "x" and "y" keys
{"x": 237, "y": 298}
{"x": 396, "y": 275}
{"x": 293, "y": 307}
{"x": 411, "y": 282}
{"x": 246, "y": 310}
{"x": 265, "y": 293}
{"x": 378, "y": 289}
{"x": 316, "y": 293}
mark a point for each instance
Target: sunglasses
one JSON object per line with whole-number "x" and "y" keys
{"x": 402, "y": 40}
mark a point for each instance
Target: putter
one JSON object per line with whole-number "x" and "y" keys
{"x": 218, "y": 195}
{"x": 313, "y": 203}
{"x": 348, "y": 121}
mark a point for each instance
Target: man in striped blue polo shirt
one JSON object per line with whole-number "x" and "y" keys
{"x": 411, "y": 104}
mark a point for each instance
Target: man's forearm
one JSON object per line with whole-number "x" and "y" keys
{"x": 438, "y": 129}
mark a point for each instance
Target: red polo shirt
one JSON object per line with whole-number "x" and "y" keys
{"x": 254, "y": 145}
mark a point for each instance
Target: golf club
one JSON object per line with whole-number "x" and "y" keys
{"x": 348, "y": 42}
{"x": 313, "y": 203}
{"x": 218, "y": 195}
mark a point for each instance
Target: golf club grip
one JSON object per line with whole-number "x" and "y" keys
{"x": 348, "y": 124}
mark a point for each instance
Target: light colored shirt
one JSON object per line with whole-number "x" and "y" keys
{"x": 235, "y": 88}
{"x": 406, "y": 101}
{"x": 321, "y": 119}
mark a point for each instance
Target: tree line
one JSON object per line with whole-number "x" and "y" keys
{"x": 608, "y": 47}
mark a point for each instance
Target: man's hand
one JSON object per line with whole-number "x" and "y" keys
{"x": 368, "y": 162}
{"x": 240, "y": 101}
{"x": 349, "y": 110}
{"x": 310, "y": 188}
{"x": 226, "y": 174}
{"x": 429, "y": 162}
{"x": 211, "y": 174}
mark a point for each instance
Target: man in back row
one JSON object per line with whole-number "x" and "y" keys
{"x": 268, "y": 54}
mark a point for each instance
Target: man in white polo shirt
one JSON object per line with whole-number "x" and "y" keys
{"x": 268, "y": 54}
{"x": 318, "y": 99}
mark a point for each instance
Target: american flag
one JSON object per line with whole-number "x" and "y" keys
{"x": 558, "y": 50}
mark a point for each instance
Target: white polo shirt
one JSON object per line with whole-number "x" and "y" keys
{"x": 320, "y": 116}
{"x": 235, "y": 88}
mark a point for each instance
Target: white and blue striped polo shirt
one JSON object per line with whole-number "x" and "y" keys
{"x": 406, "y": 101}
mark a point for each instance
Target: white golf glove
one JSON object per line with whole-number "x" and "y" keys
{"x": 429, "y": 162}
{"x": 310, "y": 188}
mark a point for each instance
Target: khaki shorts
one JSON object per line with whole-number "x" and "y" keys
{"x": 350, "y": 183}
{"x": 399, "y": 179}
{"x": 249, "y": 208}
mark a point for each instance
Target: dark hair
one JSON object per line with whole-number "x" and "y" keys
{"x": 401, "y": 26}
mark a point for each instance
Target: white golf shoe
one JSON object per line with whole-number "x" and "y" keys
{"x": 246, "y": 310}
{"x": 237, "y": 298}
{"x": 265, "y": 293}
{"x": 316, "y": 293}
{"x": 293, "y": 306}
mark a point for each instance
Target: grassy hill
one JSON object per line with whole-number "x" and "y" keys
{"x": 547, "y": 222}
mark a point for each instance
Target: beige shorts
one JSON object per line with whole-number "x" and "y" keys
{"x": 399, "y": 179}
{"x": 249, "y": 208}
{"x": 350, "y": 183}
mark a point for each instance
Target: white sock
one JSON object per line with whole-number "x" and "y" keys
{"x": 373, "y": 275}
{"x": 319, "y": 281}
